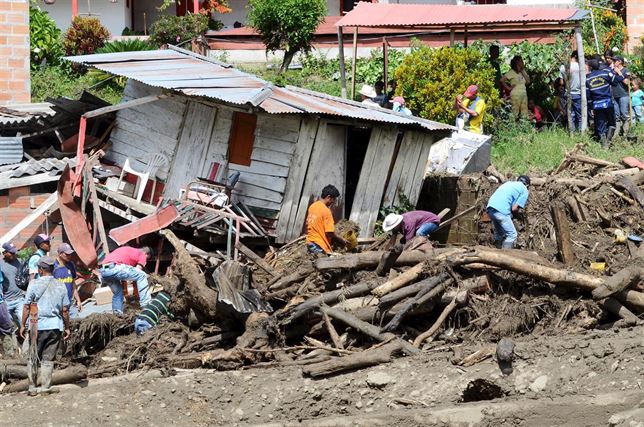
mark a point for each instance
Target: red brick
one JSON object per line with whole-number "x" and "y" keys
{"x": 16, "y": 18}
{"x": 20, "y": 6}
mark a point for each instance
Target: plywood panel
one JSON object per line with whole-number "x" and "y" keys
{"x": 193, "y": 145}
{"x": 295, "y": 182}
{"x": 373, "y": 179}
{"x": 405, "y": 176}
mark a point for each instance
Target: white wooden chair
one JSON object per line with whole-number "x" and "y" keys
{"x": 154, "y": 162}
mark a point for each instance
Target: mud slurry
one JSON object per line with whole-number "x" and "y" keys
{"x": 586, "y": 379}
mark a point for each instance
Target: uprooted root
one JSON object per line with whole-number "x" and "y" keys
{"x": 93, "y": 333}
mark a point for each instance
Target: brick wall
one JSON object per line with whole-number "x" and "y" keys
{"x": 16, "y": 205}
{"x": 635, "y": 22}
{"x": 15, "y": 83}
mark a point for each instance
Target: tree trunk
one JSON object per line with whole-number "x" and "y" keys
{"x": 360, "y": 360}
{"x": 286, "y": 62}
{"x": 69, "y": 375}
{"x": 388, "y": 260}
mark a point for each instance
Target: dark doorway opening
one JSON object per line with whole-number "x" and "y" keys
{"x": 357, "y": 143}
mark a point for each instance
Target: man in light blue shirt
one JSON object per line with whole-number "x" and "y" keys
{"x": 508, "y": 199}
{"x": 46, "y": 299}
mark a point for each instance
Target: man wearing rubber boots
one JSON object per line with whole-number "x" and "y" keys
{"x": 46, "y": 307}
{"x": 507, "y": 200}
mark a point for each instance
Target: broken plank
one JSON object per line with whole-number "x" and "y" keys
{"x": 255, "y": 258}
{"x": 562, "y": 228}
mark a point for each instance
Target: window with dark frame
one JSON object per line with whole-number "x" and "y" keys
{"x": 242, "y": 137}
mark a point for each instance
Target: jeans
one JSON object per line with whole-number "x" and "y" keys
{"x": 314, "y": 248}
{"x": 504, "y": 232}
{"x": 141, "y": 326}
{"x": 621, "y": 106}
{"x": 114, "y": 274}
{"x": 637, "y": 114}
{"x": 15, "y": 310}
{"x": 426, "y": 229}
{"x": 576, "y": 111}
{"x": 604, "y": 118}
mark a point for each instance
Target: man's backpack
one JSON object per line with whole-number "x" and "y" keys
{"x": 22, "y": 277}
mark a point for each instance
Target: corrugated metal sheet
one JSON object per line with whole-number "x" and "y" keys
{"x": 32, "y": 167}
{"x": 22, "y": 113}
{"x": 410, "y": 15}
{"x": 195, "y": 75}
{"x": 10, "y": 150}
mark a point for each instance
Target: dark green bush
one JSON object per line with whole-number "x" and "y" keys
{"x": 44, "y": 38}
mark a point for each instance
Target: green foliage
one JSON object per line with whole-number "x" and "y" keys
{"x": 44, "y": 38}
{"x": 286, "y": 25}
{"x": 128, "y": 45}
{"x": 84, "y": 36}
{"x": 405, "y": 205}
{"x": 370, "y": 70}
{"x": 25, "y": 253}
{"x": 429, "y": 80}
{"x": 170, "y": 29}
{"x": 635, "y": 61}
{"x": 610, "y": 27}
{"x": 57, "y": 81}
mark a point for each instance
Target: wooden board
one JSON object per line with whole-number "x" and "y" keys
{"x": 191, "y": 151}
{"x": 373, "y": 179}
{"x": 299, "y": 165}
{"x": 409, "y": 168}
{"x": 326, "y": 166}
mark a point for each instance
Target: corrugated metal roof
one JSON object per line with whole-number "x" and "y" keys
{"x": 21, "y": 113}
{"x": 10, "y": 150}
{"x": 33, "y": 167}
{"x": 409, "y": 15}
{"x": 195, "y": 75}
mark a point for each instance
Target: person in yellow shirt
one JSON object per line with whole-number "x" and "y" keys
{"x": 471, "y": 110}
{"x": 516, "y": 81}
{"x": 320, "y": 227}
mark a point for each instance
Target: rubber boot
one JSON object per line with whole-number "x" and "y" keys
{"x": 507, "y": 245}
{"x": 32, "y": 375}
{"x": 47, "y": 370}
{"x": 611, "y": 133}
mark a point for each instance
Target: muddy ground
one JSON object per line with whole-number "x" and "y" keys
{"x": 592, "y": 378}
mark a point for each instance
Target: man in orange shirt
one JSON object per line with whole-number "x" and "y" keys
{"x": 320, "y": 227}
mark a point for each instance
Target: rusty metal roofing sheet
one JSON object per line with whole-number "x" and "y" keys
{"x": 409, "y": 15}
{"x": 22, "y": 113}
{"x": 194, "y": 75}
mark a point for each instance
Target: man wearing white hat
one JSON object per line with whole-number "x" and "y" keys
{"x": 367, "y": 93}
{"x": 410, "y": 224}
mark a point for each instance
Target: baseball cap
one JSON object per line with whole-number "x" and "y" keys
{"x": 41, "y": 238}
{"x": 471, "y": 90}
{"x": 9, "y": 247}
{"x": 46, "y": 262}
{"x": 65, "y": 248}
{"x": 618, "y": 58}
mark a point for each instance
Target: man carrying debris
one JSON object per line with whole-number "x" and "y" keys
{"x": 320, "y": 227}
{"x": 126, "y": 263}
{"x": 42, "y": 248}
{"x": 47, "y": 303}
{"x": 412, "y": 223}
{"x": 65, "y": 273}
{"x": 151, "y": 314}
{"x": 508, "y": 199}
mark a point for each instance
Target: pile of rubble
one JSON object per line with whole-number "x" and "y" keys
{"x": 580, "y": 265}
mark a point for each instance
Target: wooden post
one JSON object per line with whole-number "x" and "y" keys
{"x": 74, "y": 9}
{"x": 582, "y": 77}
{"x": 562, "y": 228}
{"x": 385, "y": 53}
{"x": 97, "y": 209}
{"x": 343, "y": 71}
{"x": 353, "y": 63}
{"x": 451, "y": 37}
{"x": 465, "y": 37}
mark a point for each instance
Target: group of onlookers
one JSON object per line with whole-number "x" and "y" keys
{"x": 378, "y": 97}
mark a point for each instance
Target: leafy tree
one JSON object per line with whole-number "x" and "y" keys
{"x": 175, "y": 30}
{"x": 286, "y": 24}
{"x": 610, "y": 27}
{"x": 44, "y": 38}
{"x": 429, "y": 80}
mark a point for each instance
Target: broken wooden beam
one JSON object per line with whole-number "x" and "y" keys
{"x": 388, "y": 259}
{"x": 248, "y": 253}
{"x": 562, "y": 231}
{"x": 364, "y": 359}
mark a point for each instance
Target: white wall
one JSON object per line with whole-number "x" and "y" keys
{"x": 114, "y": 16}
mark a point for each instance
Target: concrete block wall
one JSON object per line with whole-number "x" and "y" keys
{"x": 15, "y": 205}
{"x": 15, "y": 82}
{"x": 635, "y": 22}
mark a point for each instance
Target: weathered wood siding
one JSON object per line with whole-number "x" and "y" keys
{"x": 148, "y": 128}
{"x": 409, "y": 168}
{"x": 373, "y": 179}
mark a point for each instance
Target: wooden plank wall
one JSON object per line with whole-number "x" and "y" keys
{"x": 286, "y": 229}
{"x": 409, "y": 169}
{"x": 152, "y": 127}
{"x": 373, "y": 179}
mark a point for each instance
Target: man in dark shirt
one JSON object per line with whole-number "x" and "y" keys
{"x": 494, "y": 62}
{"x": 13, "y": 295}
{"x": 150, "y": 316}
{"x": 600, "y": 100}
{"x": 620, "y": 95}
{"x": 65, "y": 273}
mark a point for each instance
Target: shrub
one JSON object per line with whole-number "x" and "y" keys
{"x": 175, "y": 30}
{"x": 44, "y": 38}
{"x": 370, "y": 70}
{"x": 84, "y": 36}
{"x": 288, "y": 25}
{"x": 429, "y": 80}
{"x": 636, "y": 61}
{"x": 610, "y": 27}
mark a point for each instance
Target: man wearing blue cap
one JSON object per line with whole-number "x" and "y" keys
{"x": 42, "y": 248}
{"x": 508, "y": 199}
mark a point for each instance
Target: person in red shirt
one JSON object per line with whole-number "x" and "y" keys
{"x": 535, "y": 113}
{"x": 126, "y": 263}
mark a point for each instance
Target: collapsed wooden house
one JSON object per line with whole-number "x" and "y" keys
{"x": 209, "y": 119}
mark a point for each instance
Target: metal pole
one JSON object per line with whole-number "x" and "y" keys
{"x": 353, "y": 63}
{"x": 465, "y": 37}
{"x": 592, "y": 21}
{"x": 451, "y": 37}
{"x": 582, "y": 78}
{"x": 343, "y": 71}
{"x": 385, "y": 53}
